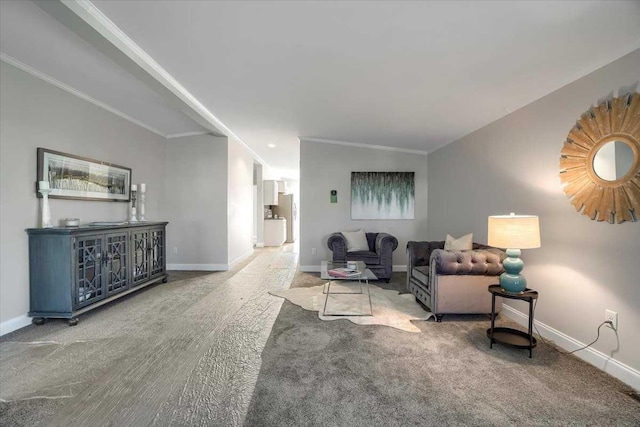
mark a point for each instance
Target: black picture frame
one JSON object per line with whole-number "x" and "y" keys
{"x": 81, "y": 178}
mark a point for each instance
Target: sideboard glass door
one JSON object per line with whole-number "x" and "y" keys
{"x": 157, "y": 252}
{"x": 140, "y": 258}
{"x": 116, "y": 265}
{"x": 89, "y": 286}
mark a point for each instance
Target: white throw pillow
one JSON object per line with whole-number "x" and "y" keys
{"x": 464, "y": 243}
{"x": 356, "y": 240}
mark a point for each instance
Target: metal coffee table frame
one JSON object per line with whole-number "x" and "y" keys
{"x": 365, "y": 275}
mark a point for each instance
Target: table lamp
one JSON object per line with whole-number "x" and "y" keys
{"x": 513, "y": 232}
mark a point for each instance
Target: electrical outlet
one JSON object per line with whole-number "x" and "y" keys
{"x": 611, "y": 316}
{"x": 314, "y": 251}
{"x": 175, "y": 250}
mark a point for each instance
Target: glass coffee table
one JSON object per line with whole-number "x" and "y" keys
{"x": 345, "y": 296}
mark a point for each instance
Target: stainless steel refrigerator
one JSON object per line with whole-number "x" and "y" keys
{"x": 287, "y": 209}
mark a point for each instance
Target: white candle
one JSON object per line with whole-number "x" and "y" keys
{"x": 43, "y": 185}
{"x": 134, "y": 187}
{"x": 143, "y": 187}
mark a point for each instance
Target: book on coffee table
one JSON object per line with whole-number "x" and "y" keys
{"x": 343, "y": 272}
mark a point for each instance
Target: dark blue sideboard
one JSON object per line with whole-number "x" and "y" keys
{"x": 75, "y": 269}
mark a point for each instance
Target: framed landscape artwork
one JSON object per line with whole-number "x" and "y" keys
{"x": 382, "y": 195}
{"x": 74, "y": 177}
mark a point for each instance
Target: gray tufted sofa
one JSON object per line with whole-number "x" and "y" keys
{"x": 379, "y": 257}
{"x": 449, "y": 282}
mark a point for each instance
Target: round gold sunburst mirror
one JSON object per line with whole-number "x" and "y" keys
{"x": 600, "y": 161}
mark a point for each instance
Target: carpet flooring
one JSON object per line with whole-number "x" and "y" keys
{"x": 215, "y": 349}
{"x": 184, "y": 353}
{"x": 317, "y": 373}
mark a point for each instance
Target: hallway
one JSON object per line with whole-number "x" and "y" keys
{"x": 182, "y": 353}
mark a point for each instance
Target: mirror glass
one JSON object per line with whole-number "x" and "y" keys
{"x": 613, "y": 160}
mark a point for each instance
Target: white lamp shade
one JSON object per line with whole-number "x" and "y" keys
{"x": 514, "y": 231}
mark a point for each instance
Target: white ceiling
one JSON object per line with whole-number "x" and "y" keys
{"x": 412, "y": 75}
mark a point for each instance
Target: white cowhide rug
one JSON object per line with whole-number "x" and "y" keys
{"x": 390, "y": 308}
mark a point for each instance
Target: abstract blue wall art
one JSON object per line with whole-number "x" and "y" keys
{"x": 382, "y": 195}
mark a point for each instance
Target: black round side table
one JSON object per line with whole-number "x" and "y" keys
{"x": 510, "y": 336}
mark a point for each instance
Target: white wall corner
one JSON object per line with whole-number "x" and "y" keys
{"x": 240, "y": 259}
{"x": 619, "y": 370}
{"x": 198, "y": 267}
{"x": 14, "y": 324}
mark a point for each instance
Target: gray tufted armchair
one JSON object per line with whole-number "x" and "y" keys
{"x": 449, "y": 282}
{"x": 379, "y": 257}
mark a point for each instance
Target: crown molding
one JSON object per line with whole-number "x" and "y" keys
{"x": 184, "y": 134}
{"x": 100, "y": 23}
{"x": 44, "y": 77}
{"x": 360, "y": 145}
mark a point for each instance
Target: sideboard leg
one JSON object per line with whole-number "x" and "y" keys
{"x": 165, "y": 279}
{"x": 38, "y": 320}
{"x": 439, "y": 317}
{"x": 73, "y": 321}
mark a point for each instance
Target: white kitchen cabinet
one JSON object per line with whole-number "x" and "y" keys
{"x": 275, "y": 231}
{"x": 270, "y": 189}
{"x": 283, "y": 187}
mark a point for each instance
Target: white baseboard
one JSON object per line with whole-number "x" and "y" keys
{"x": 14, "y": 324}
{"x": 316, "y": 268}
{"x": 198, "y": 267}
{"x": 240, "y": 258}
{"x": 619, "y": 370}
{"x": 259, "y": 244}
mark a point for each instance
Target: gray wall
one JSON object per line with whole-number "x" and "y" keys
{"x": 326, "y": 167}
{"x": 196, "y": 191}
{"x": 511, "y": 165}
{"x": 240, "y": 209}
{"x": 36, "y": 114}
